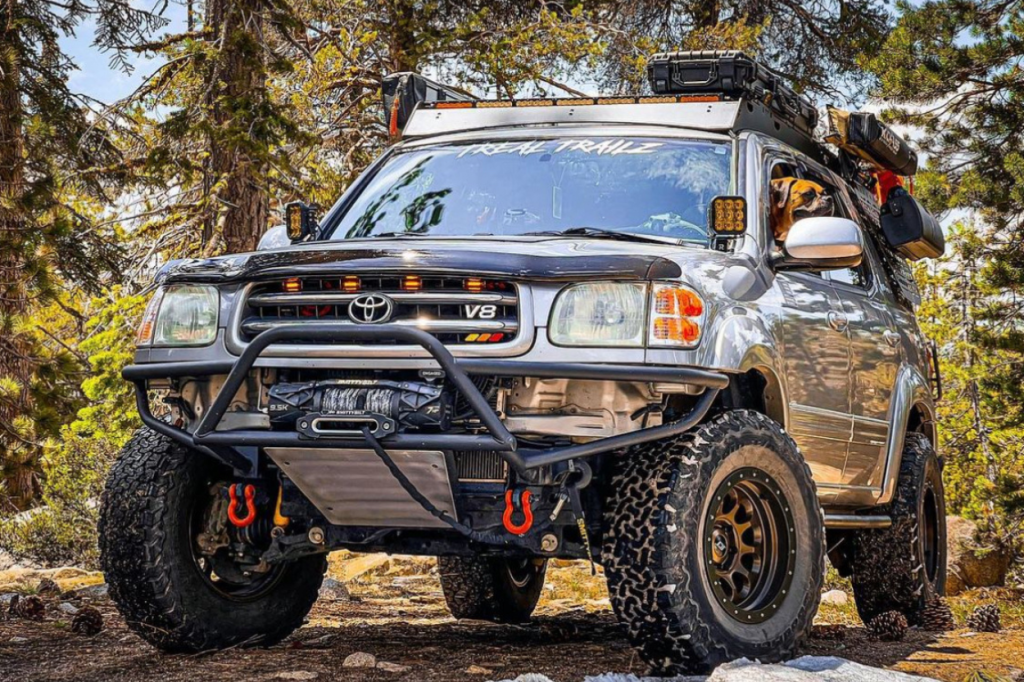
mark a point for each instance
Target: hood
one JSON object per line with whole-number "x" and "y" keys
{"x": 525, "y": 258}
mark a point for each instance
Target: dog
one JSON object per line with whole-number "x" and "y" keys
{"x": 793, "y": 199}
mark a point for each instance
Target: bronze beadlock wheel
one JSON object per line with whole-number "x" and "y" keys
{"x": 749, "y": 545}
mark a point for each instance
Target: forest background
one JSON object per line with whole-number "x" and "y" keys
{"x": 245, "y": 105}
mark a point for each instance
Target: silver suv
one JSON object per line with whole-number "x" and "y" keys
{"x": 534, "y": 330}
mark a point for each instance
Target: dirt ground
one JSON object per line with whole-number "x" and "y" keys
{"x": 395, "y": 612}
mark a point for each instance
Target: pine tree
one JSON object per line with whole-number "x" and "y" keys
{"x": 52, "y": 156}
{"x": 952, "y": 69}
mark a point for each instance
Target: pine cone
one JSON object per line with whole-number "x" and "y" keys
{"x": 88, "y": 621}
{"x": 48, "y": 588}
{"x": 936, "y": 616}
{"x": 29, "y": 608}
{"x": 984, "y": 619}
{"x": 890, "y": 626}
{"x": 828, "y": 633}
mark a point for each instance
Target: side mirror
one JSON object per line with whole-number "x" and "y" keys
{"x": 275, "y": 237}
{"x": 824, "y": 243}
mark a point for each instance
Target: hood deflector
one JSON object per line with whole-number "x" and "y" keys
{"x": 304, "y": 261}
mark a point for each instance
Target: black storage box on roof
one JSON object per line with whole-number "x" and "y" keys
{"x": 910, "y": 229}
{"x": 734, "y": 75}
{"x": 402, "y": 91}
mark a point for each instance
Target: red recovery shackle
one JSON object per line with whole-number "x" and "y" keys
{"x": 510, "y": 507}
{"x": 250, "y": 505}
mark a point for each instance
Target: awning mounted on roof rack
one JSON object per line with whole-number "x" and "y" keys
{"x": 401, "y": 93}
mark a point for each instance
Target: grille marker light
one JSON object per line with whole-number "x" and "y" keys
{"x": 351, "y": 284}
{"x": 474, "y": 284}
{"x": 412, "y": 283}
{"x": 292, "y": 285}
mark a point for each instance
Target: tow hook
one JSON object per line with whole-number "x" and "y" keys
{"x": 517, "y": 500}
{"x": 250, "y": 504}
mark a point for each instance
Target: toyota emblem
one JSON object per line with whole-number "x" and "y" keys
{"x": 371, "y": 309}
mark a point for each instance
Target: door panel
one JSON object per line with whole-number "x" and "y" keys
{"x": 875, "y": 359}
{"x": 816, "y": 362}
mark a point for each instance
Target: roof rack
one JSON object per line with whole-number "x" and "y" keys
{"x": 402, "y": 91}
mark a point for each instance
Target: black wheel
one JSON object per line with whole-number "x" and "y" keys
{"x": 901, "y": 567}
{"x": 499, "y": 589}
{"x": 714, "y": 545}
{"x": 176, "y": 594}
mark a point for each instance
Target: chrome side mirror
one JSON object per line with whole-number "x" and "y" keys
{"x": 823, "y": 243}
{"x": 274, "y": 238}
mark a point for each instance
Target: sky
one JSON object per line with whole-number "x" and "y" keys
{"x": 95, "y": 77}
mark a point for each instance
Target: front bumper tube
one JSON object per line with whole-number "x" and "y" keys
{"x": 238, "y": 448}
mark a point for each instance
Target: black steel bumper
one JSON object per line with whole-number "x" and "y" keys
{"x": 238, "y": 448}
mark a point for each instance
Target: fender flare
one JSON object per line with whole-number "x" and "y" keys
{"x": 911, "y": 391}
{"x": 742, "y": 343}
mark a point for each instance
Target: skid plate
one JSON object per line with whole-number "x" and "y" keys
{"x": 354, "y": 488}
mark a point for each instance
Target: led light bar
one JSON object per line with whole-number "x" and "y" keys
{"x": 571, "y": 102}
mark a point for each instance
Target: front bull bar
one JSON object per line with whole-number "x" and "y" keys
{"x": 238, "y": 448}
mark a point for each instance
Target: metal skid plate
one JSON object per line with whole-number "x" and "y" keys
{"x": 354, "y": 488}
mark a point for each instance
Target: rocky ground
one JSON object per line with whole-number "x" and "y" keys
{"x": 384, "y": 619}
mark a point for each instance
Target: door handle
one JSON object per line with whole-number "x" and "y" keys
{"x": 892, "y": 337}
{"x": 837, "y": 320}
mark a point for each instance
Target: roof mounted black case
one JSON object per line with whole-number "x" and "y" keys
{"x": 734, "y": 75}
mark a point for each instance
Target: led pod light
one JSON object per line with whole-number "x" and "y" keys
{"x": 181, "y": 315}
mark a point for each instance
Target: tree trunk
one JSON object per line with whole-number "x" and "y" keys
{"x": 17, "y": 457}
{"x": 237, "y": 102}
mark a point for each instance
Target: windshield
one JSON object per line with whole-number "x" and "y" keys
{"x": 642, "y": 186}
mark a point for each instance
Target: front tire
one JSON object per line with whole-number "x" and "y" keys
{"x": 714, "y": 545}
{"x": 902, "y": 567}
{"x": 148, "y": 555}
{"x": 499, "y": 589}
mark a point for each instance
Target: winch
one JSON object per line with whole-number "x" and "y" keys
{"x": 342, "y": 407}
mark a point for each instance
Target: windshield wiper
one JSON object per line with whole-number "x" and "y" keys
{"x": 394, "y": 235}
{"x": 600, "y": 233}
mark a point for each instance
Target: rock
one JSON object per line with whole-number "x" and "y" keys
{"x": 477, "y": 670}
{"x": 7, "y": 597}
{"x": 359, "y": 565}
{"x": 972, "y": 564}
{"x": 360, "y": 659}
{"x": 93, "y": 592}
{"x": 18, "y": 640}
{"x": 297, "y": 675}
{"x": 835, "y": 598}
{"x": 392, "y": 667}
{"x": 332, "y": 590}
{"x": 68, "y": 608}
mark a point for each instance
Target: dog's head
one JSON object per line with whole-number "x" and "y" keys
{"x": 793, "y": 199}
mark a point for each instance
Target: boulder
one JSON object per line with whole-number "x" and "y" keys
{"x": 971, "y": 563}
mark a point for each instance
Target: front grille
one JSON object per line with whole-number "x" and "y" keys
{"x": 456, "y": 310}
{"x": 480, "y": 466}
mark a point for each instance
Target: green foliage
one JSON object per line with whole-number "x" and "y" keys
{"x": 981, "y": 419}
{"x": 75, "y": 463}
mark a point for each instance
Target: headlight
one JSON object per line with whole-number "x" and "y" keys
{"x": 600, "y": 314}
{"x": 615, "y": 314}
{"x": 181, "y": 315}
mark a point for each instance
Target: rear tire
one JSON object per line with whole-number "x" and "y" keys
{"x": 148, "y": 556}
{"x": 492, "y": 588}
{"x": 902, "y": 567}
{"x": 714, "y": 545}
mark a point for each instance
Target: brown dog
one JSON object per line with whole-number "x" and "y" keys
{"x": 793, "y": 199}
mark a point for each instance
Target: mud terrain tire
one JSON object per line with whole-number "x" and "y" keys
{"x": 901, "y": 567}
{"x": 491, "y": 588}
{"x": 146, "y": 556}
{"x": 664, "y": 517}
